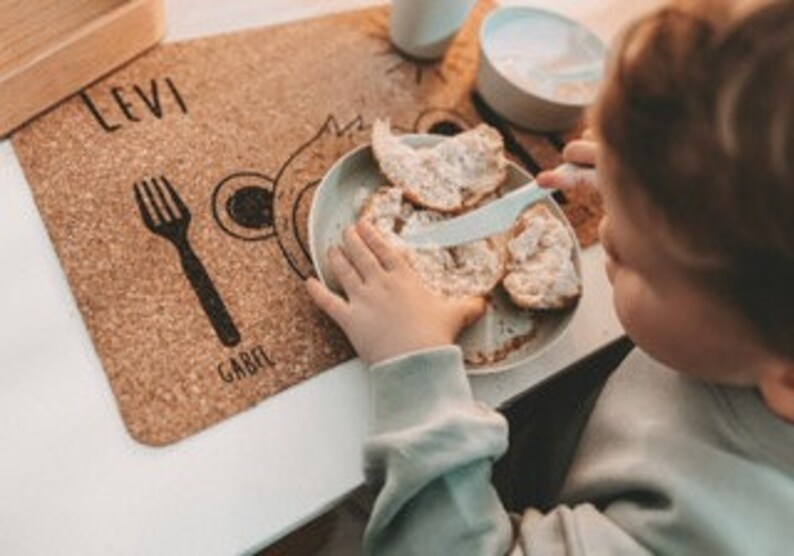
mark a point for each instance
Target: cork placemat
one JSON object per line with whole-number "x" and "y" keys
{"x": 176, "y": 193}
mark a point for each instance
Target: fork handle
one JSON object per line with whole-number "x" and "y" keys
{"x": 210, "y": 300}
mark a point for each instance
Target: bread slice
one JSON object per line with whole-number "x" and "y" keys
{"x": 386, "y": 210}
{"x": 540, "y": 269}
{"x": 471, "y": 269}
{"x": 450, "y": 176}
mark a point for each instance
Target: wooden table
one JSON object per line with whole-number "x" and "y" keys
{"x": 71, "y": 479}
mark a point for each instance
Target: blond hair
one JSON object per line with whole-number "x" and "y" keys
{"x": 698, "y": 111}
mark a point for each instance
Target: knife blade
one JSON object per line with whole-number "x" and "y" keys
{"x": 487, "y": 220}
{"x": 490, "y": 219}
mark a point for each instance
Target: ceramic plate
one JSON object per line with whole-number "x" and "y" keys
{"x": 506, "y": 336}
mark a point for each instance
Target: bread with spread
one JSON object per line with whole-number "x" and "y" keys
{"x": 540, "y": 269}
{"x": 533, "y": 261}
{"x": 449, "y": 177}
{"x": 471, "y": 269}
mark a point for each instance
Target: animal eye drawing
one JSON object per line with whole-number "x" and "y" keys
{"x": 441, "y": 121}
{"x": 242, "y": 206}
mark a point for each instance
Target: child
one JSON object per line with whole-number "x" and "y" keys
{"x": 690, "y": 448}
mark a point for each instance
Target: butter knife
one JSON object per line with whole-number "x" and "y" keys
{"x": 485, "y": 221}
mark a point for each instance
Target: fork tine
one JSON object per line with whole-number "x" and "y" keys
{"x": 150, "y": 196}
{"x": 145, "y": 214}
{"x": 183, "y": 210}
{"x": 165, "y": 204}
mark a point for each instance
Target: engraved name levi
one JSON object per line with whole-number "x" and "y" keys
{"x": 117, "y": 106}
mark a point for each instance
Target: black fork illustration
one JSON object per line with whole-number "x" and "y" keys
{"x": 167, "y": 216}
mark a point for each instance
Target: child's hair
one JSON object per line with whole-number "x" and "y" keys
{"x": 698, "y": 113}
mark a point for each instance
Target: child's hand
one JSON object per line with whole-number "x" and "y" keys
{"x": 581, "y": 152}
{"x": 389, "y": 311}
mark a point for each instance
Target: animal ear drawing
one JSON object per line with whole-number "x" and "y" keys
{"x": 297, "y": 179}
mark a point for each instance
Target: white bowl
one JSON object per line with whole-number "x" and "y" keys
{"x": 537, "y": 68}
{"x": 336, "y": 205}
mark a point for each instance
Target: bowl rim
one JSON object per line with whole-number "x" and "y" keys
{"x": 314, "y": 212}
{"x": 531, "y": 10}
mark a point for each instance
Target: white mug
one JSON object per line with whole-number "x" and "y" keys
{"x": 424, "y": 29}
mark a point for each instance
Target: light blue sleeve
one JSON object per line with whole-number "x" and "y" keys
{"x": 431, "y": 448}
{"x": 665, "y": 466}
{"x": 431, "y": 451}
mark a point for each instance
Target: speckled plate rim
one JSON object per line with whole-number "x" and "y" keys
{"x": 333, "y": 208}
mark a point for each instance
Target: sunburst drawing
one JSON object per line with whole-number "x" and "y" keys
{"x": 398, "y": 61}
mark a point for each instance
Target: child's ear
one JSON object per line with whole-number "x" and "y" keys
{"x": 777, "y": 389}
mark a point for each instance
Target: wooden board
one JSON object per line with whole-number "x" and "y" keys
{"x": 51, "y": 48}
{"x": 241, "y": 127}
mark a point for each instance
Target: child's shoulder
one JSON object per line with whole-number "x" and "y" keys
{"x": 669, "y": 457}
{"x": 655, "y": 401}
{"x": 643, "y": 382}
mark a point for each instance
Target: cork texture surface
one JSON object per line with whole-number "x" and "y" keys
{"x": 176, "y": 193}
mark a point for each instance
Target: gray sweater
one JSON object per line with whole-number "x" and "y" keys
{"x": 666, "y": 465}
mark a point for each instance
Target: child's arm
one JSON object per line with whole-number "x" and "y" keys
{"x": 432, "y": 446}
{"x": 430, "y": 450}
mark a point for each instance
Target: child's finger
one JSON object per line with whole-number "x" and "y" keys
{"x": 581, "y": 151}
{"x": 567, "y": 180}
{"x": 550, "y": 180}
{"x": 330, "y": 303}
{"x": 473, "y": 308}
{"x": 389, "y": 257}
{"x": 343, "y": 270}
{"x": 360, "y": 255}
